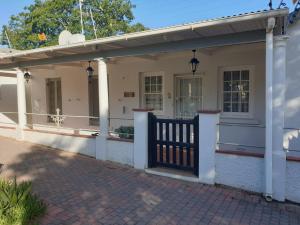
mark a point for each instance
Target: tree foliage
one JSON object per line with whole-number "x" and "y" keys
{"x": 53, "y": 16}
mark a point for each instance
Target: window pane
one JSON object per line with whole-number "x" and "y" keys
{"x": 153, "y": 80}
{"x": 159, "y": 88}
{"x": 235, "y": 85}
{"x": 153, "y": 97}
{"x": 245, "y": 107}
{"x": 236, "y": 75}
{"x": 245, "y": 85}
{"x": 147, "y": 80}
{"x": 153, "y": 88}
{"x": 227, "y": 97}
{"x": 245, "y": 75}
{"x": 227, "y": 86}
{"x": 147, "y": 88}
{"x": 245, "y": 96}
{"x": 227, "y": 76}
{"x": 227, "y": 107}
{"x": 235, "y": 97}
{"x": 235, "y": 107}
{"x": 159, "y": 79}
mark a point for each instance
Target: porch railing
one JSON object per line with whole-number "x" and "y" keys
{"x": 80, "y": 124}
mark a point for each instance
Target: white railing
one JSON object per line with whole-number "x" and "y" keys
{"x": 62, "y": 123}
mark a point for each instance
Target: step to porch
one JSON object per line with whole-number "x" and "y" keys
{"x": 173, "y": 173}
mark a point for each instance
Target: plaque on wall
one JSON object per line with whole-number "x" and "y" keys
{"x": 129, "y": 94}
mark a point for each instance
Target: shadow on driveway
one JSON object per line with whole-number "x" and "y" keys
{"x": 82, "y": 190}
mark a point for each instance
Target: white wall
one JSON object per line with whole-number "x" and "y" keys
{"x": 120, "y": 152}
{"x": 85, "y": 146}
{"x": 293, "y": 181}
{"x": 8, "y": 100}
{"x": 292, "y": 111}
{"x": 8, "y": 132}
{"x": 74, "y": 84}
{"x": 123, "y": 76}
{"x": 242, "y": 172}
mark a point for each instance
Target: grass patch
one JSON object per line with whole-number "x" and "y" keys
{"x": 18, "y": 206}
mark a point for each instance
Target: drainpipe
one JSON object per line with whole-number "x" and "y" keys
{"x": 269, "y": 108}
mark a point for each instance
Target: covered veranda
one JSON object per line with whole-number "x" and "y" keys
{"x": 252, "y": 30}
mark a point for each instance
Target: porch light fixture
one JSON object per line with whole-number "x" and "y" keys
{"x": 194, "y": 63}
{"x": 27, "y": 76}
{"x": 90, "y": 71}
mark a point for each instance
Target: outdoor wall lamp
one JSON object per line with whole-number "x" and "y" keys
{"x": 27, "y": 76}
{"x": 90, "y": 71}
{"x": 194, "y": 63}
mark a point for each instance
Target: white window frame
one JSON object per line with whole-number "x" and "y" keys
{"x": 238, "y": 115}
{"x": 142, "y": 88}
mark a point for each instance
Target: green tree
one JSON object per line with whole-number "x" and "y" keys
{"x": 53, "y": 16}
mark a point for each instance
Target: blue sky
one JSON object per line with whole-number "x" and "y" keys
{"x": 160, "y": 13}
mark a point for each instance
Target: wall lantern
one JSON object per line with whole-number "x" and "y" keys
{"x": 27, "y": 76}
{"x": 90, "y": 71}
{"x": 194, "y": 63}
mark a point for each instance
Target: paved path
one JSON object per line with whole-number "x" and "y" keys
{"x": 81, "y": 190}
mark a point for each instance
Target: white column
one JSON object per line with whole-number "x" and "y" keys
{"x": 101, "y": 147}
{"x": 208, "y": 139}
{"x": 269, "y": 105}
{"x": 140, "y": 150}
{"x": 279, "y": 85}
{"x": 21, "y": 105}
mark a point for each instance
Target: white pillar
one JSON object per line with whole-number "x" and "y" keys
{"x": 269, "y": 107}
{"x": 140, "y": 150}
{"x": 21, "y": 105}
{"x": 279, "y": 85}
{"x": 101, "y": 147}
{"x": 208, "y": 139}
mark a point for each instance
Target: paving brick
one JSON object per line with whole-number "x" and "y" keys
{"x": 81, "y": 190}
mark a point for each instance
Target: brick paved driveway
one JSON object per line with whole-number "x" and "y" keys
{"x": 80, "y": 190}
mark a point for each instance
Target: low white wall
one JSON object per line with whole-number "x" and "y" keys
{"x": 242, "y": 172}
{"x": 82, "y": 145}
{"x": 293, "y": 181}
{"x": 8, "y": 132}
{"x": 121, "y": 152}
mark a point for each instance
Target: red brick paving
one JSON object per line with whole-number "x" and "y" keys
{"x": 81, "y": 190}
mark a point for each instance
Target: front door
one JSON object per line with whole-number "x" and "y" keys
{"x": 188, "y": 92}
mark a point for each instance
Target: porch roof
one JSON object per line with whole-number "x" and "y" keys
{"x": 236, "y": 29}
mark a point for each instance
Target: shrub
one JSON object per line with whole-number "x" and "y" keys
{"x": 18, "y": 206}
{"x": 125, "y": 132}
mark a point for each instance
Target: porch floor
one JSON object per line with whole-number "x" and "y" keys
{"x": 81, "y": 190}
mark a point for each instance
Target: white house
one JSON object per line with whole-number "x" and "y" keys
{"x": 235, "y": 121}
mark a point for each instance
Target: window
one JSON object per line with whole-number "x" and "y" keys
{"x": 236, "y": 91}
{"x": 54, "y": 98}
{"x": 94, "y": 100}
{"x": 153, "y": 91}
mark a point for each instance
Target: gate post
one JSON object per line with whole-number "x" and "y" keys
{"x": 208, "y": 138}
{"x": 140, "y": 149}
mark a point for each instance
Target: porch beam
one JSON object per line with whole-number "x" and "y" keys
{"x": 175, "y": 46}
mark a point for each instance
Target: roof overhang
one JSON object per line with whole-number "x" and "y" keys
{"x": 237, "y": 29}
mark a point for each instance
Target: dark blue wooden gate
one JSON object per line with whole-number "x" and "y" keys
{"x": 173, "y": 143}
